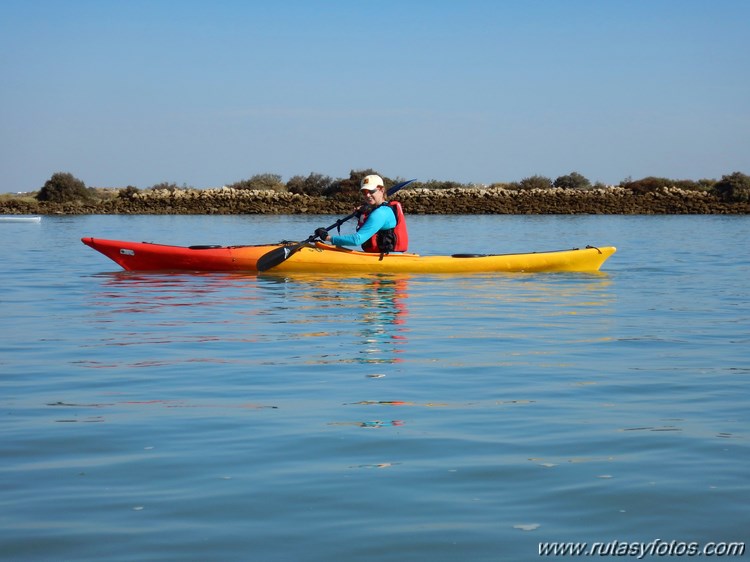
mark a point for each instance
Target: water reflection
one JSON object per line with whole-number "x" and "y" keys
{"x": 352, "y": 319}
{"x": 144, "y": 292}
{"x": 384, "y": 320}
{"x": 373, "y": 308}
{"x": 168, "y": 318}
{"x": 317, "y": 319}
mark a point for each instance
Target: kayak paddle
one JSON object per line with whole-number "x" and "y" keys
{"x": 280, "y": 255}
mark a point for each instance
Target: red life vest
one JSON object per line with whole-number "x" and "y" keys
{"x": 390, "y": 240}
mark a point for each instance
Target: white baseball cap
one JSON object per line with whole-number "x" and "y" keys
{"x": 371, "y": 182}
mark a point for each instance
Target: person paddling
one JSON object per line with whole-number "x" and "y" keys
{"x": 382, "y": 226}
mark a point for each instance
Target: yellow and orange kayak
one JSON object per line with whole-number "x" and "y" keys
{"x": 322, "y": 258}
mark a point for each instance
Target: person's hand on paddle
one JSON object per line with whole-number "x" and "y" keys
{"x": 321, "y": 233}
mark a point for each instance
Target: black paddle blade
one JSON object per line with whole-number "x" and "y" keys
{"x": 273, "y": 258}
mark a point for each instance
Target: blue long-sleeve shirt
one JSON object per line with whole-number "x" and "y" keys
{"x": 382, "y": 218}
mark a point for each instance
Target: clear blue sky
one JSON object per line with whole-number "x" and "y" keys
{"x": 206, "y": 93}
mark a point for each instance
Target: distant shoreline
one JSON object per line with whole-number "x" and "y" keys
{"x": 455, "y": 201}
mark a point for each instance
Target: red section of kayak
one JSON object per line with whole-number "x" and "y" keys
{"x": 145, "y": 256}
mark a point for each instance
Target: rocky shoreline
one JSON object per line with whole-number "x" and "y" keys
{"x": 459, "y": 201}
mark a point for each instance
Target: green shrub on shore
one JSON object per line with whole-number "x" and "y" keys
{"x": 128, "y": 192}
{"x": 573, "y": 180}
{"x": 733, "y": 188}
{"x": 690, "y": 185}
{"x": 64, "y": 187}
{"x": 314, "y": 184}
{"x": 649, "y": 184}
{"x": 261, "y": 182}
{"x": 652, "y": 184}
{"x": 348, "y": 188}
{"x": 533, "y": 182}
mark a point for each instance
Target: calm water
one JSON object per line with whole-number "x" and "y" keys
{"x": 437, "y": 418}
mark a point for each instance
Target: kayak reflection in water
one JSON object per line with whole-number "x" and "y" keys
{"x": 384, "y": 320}
{"x": 382, "y": 226}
